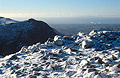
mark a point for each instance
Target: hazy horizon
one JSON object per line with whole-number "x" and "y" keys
{"x": 63, "y": 11}
{"x": 75, "y": 20}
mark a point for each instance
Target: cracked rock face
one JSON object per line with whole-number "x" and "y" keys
{"x": 50, "y": 60}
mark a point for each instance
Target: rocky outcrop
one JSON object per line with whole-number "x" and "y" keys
{"x": 15, "y": 35}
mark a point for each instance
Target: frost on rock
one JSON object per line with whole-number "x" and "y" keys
{"x": 87, "y": 44}
{"x": 59, "y": 41}
{"x": 66, "y": 57}
{"x": 105, "y": 39}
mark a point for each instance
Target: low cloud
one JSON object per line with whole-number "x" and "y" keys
{"x": 35, "y": 15}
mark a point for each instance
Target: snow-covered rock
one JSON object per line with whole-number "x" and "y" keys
{"x": 105, "y": 39}
{"x": 62, "y": 57}
{"x": 4, "y": 21}
{"x": 87, "y": 44}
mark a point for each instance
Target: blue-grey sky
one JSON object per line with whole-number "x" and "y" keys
{"x": 59, "y": 8}
{"x": 62, "y": 11}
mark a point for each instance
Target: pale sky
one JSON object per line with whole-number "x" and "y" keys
{"x": 59, "y": 8}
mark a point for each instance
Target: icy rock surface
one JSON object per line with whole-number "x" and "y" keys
{"x": 68, "y": 60}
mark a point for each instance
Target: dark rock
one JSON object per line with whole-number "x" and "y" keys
{"x": 54, "y": 58}
{"x": 104, "y": 52}
{"x": 32, "y": 76}
{"x": 106, "y": 65}
{"x": 60, "y": 51}
{"x": 37, "y": 68}
{"x": 53, "y": 54}
{"x": 0, "y": 71}
{"x": 73, "y": 49}
{"x": 59, "y": 42}
{"x": 18, "y": 72}
{"x": 118, "y": 65}
{"x": 80, "y": 53}
{"x": 45, "y": 58}
{"x": 70, "y": 73}
{"x": 50, "y": 40}
{"x": 96, "y": 58}
{"x": 100, "y": 61}
{"x": 60, "y": 61}
{"x": 64, "y": 59}
{"x": 77, "y": 58}
{"x": 15, "y": 67}
{"x": 96, "y": 73}
{"x": 83, "y": 69}
{"x": 13, "y": 57}
{"x": 97, "y": 49}
{"x": 56, "y": 67}
{"x": 45, "y": 76}
{"x": 37, "y": 74}
{"x": 91, "y": 70}
{"x": 13, "y": 71}
{"x": 26, "y": 63}
{"x": 35, "y": 65}
{"x": 114, "y": 58}
{"x": 67, "y": 38}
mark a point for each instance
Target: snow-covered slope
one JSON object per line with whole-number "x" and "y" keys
{"x": 66, "y": 57}
{"x": 4, "y": 21}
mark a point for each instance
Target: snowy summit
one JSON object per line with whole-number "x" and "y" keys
{"x": 96, "y": 55}
{"x": 4, "y": 21}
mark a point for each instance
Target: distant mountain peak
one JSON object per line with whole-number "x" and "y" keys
{"x": 4, "y": 21}
{"x": 14, "y": 36}
{"x": 1, "y": 17}
{"x": 31, "y": 20}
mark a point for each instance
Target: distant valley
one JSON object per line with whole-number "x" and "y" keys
{"x": 71, "y": 29}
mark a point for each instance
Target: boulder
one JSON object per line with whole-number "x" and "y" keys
{"x": 87, "y": 44}
{"x": 59, "y": 42}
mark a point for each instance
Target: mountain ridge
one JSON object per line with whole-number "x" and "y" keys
{"x": 4, "y": 21}
{"x": 15, "y": 35}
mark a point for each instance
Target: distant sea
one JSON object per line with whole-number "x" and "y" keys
{"x": 71, "y": 29}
